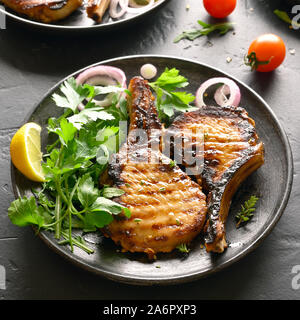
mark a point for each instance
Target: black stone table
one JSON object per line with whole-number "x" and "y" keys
{"x": 32, "y": 62}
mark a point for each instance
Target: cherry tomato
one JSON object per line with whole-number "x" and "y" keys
{"x": 219, "y": 8}
{"x": 266, "y": 53}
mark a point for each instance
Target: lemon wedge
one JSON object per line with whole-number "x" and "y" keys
{"x": 25, "y": 151}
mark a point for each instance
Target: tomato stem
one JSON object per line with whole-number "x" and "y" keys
{"x": 252, "y": 61}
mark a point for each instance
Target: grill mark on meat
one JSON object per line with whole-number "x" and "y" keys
{"x": 167, "y": 207}
{"x": 232, "y": 151}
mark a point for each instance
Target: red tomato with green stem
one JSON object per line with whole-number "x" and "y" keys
{"x": 266, "y": 53}
{"x": 219, "y": 8}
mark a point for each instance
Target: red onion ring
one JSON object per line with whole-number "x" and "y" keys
{"x": 229, "y": 87}
{"x": 221, "y": 95}
{"x": 108, "y": 71}
{"x": 113, "y": 8}
{"x": 101, "y": 80}
{"x": 133, "y": 7}
{"x": 102, "y": 75}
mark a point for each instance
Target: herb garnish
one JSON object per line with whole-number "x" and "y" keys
{"x": 172, "y": 163}
{"x": 183, "y": 248}
{"x": 169, "y": 99}
{"x": 223, "y": 28}
{"x": 247, "y": 211}
{"x": 70, "y": 197}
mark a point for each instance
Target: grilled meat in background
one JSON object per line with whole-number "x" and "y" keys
{"x": 167, "y": 207}
{"x": 232, "y": 152}
{"x": 44, "y": 10}
{"x": 96, "y": 9}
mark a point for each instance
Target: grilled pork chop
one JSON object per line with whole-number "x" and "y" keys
{"x": 96, "y": 9}
{"x": 232, "y": 151}
{"x": 167, "y": 207}
{"x": 44, "y": 10}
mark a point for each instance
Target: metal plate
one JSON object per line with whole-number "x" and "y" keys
{"x": 271, "y": 183}
{"x": 79, "y": 21}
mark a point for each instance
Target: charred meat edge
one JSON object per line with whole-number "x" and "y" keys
{"x": 221, "y": 192}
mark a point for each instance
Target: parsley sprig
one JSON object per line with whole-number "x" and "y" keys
{"x": 246, "y": 212}
{"x": 169, "y": 98}
{"x": 83, "y": 141}
{"x": 207, "y": 28}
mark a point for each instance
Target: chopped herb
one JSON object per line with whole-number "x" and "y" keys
{"x": 206, "y": 136}
{"x": 137, "y": 220}
{"x": 127, "y": 185}
{"x": 183, "y": 248}
{"x": 162, "y": 189}
{"x": 223, "y": 28}
{"x": 158, "y": 267}
{"x": 172, "y": 163}
{"x": 142, "y": 182}
{"x": 247, "y": 211}
{"x": 178, "y": 222}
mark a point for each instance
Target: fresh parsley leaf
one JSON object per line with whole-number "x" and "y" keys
{"x": 87, "y": 144}
{"x": 73, "y": 95}
{"x": 24, "y": 211}
{"x": 87, "y": 115}
{"x": 103, "y": 204}
{"x": 109, "y": 192}
{"x": 87, "y": 193}
{"x": 184, "y": 97}
{"x": 168, "y": 99}
{"x": 246, "y": 212}
{"x": 97, "y": 219}
{"x": 43, "y": 199}
{"x": 101, "y": 212}
{"x": 191, "y": 35}
{"x": 170, "y": 79}
{"x": 67, "y": 131}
